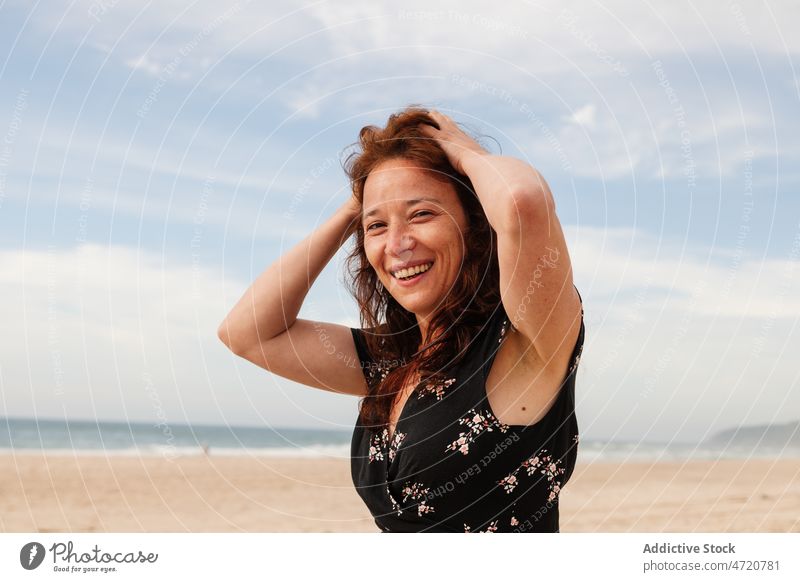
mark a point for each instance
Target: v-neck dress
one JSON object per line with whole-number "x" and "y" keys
{"x": 450, "y": 465}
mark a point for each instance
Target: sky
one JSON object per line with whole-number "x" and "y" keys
{"x": 155, "y": 157}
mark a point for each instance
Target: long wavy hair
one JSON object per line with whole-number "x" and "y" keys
{"x": 393, "y": 336}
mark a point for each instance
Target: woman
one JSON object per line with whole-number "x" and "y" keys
{"x": 472, "y": 331}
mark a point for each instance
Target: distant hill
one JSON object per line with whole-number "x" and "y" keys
{"x": 768, "y": 435}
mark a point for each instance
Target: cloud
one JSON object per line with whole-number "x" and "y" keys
{"x": 682, "y": 343}
{"x": 146, "y": 64}
{"x": 542, "y": 38}
{"x": 242, "y": 189}
{"x": 708, "y": 281}
{"x": 119, "y": 333}
{"x": 323, "y": 59}
{"x": 585, "y": 116}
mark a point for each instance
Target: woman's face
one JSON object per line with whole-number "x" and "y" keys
{"x": 413, "y": 222}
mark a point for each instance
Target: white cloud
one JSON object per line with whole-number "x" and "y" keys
{"x": 585, "y": 116}
{"x": 119, "y": 333}
{"x": 146, "y": 64}
{"x": 709, "y": 282}
{"x": 241, "y": 193}
{"x": 544, "y": 37}
{"x": 361, "y": 56}
{"x": 680, "y": 345}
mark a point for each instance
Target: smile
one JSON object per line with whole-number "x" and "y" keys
{"x": 411, "y": 272}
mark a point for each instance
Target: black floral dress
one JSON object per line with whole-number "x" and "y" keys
{"x": 451, "y": 466}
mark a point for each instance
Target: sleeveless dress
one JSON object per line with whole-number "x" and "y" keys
{"x": 451, "y": 466}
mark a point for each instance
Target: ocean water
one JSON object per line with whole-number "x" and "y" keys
{"x": 169, "y": 440}
{"x": 649, "y": 451}
{"x": 122, "y": 438}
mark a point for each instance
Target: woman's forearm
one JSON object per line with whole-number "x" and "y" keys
{"x": 271, "y": 304}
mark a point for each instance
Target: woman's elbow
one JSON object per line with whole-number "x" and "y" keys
{"x": 526, "y": 206}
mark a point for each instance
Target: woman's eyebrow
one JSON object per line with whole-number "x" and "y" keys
{"x": 408, "y": 203}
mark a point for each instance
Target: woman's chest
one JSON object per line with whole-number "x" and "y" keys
{"x": 441, "y": 425}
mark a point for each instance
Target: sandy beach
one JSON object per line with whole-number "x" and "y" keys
{"x": 65, "y": 493}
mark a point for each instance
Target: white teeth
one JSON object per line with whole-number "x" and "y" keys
{"x": 405, "y": 273}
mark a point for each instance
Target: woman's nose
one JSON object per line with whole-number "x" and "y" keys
{"x": 400, "y": 242}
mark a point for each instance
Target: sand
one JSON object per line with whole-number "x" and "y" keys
{"x": 65, "y": 493}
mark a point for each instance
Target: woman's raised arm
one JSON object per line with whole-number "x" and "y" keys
{"x": 263, "y": 326}
{"x": 535, "y": 269}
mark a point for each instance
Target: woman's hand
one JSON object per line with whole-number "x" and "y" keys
{"x": 352, "y": 207}
{"x": 352, "y": 211}
{"x": 456, "y": 144}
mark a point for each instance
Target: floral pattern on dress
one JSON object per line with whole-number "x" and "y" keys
{"x": 396, "y": 440}
{"x": 395, "y": 506}
{"x": 503, "y": 330}
{"x": 379, "y": 370}
{"x": 419, "y": 493}
{"x": 376, "y": 371}
{"x": 541, "y": 463}
{"x": 577, "y": 361}
{"x": 478, "y": 423}
{"x": 378, "y": 445}
{"x": 491, "y": 528}
{"x": 435, "y": 388}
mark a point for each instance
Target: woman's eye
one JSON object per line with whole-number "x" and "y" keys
{"x": 374, "y": 225}
{"x": 423, "y": 213}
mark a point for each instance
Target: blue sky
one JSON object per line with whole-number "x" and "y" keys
{"x": 156, "y": 157}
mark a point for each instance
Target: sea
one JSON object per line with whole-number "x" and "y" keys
{"x": 82, "y": 437}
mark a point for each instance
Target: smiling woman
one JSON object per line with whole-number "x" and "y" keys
{"x": 467, "y": 420}
{"x": 429, "y": 229}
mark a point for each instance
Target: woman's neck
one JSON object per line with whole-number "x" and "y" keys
{"x": 424, "y": 328}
